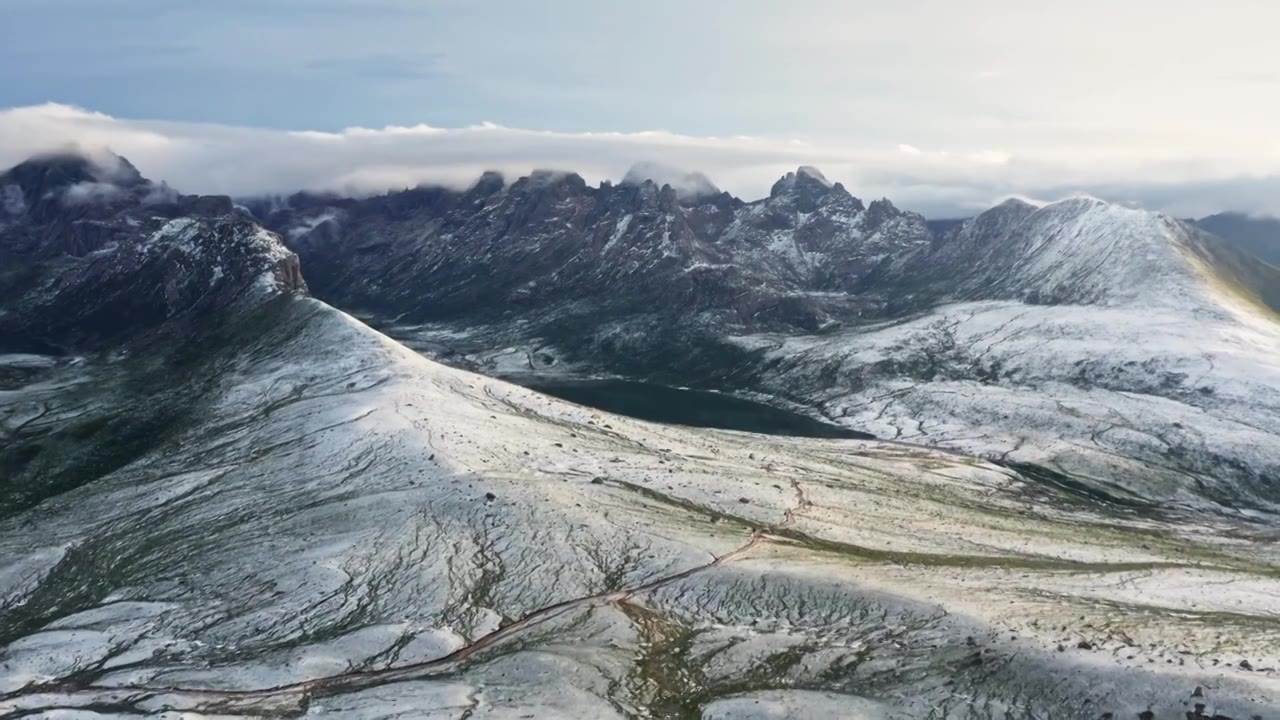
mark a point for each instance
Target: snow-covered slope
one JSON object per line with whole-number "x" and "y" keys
{"x": 1114, "y": 345}
{"x": 1141, "y": 399}
{"x": 1128, "y": 350}
{"x": 1085, "y": 251}
{"x": 340, "y": 527}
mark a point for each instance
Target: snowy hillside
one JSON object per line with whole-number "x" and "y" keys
{"x": 1128, "y": 350}
{"x": 1142, "y": 356}
{"x": 1086, "y": 251}
{"x": 339, "y": 526}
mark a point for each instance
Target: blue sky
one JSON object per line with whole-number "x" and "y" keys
{"x": 1090, "y": 94}
{"x": 328, "y": 64}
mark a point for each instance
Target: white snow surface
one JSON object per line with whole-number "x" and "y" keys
{"x": 1076, "y": 386}
{"x": 351, "y": 530}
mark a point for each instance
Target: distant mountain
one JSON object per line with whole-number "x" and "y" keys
{"x": 91, "y": 252}
{"x": 972, "y": 335}
{"x": 546, "y": 241}
{"x": 944, "y": 228}
{"x": 1084, "y": 251}
{"x": 1258, "y": 236}
{"x": 640, "y": 274}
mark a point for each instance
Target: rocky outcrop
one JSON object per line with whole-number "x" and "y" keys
{"x": 94, "y": 254}
{"x": 547, "y": 243}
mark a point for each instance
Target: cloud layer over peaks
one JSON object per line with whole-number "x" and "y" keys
{"x": 224, "y": 159}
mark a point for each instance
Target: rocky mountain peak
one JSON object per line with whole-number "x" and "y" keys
{"x": 107, "y": 251}
{"x": 998, "y": 221}
{"x": 814, "y": 173}
{"x": 807, "y": 188}
{"x": 48, "y": 173}
{"x": 489, "y": 182}
{"x": 880, "y": 210}
{"x": 804, "y": 179}
{"x": 1014, "y": 205}
{"x": 550, "y": 181}
{"x": 45, "y": 184}
{"x": 687, "y": 185}
{"x": 67, "y": 167}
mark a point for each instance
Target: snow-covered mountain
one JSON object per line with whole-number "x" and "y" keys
{"x": 545, "y": 242}
{"x": 1085, "y": 251}
{"x": 90, "y": 252}
{"x": 1130, "y": 349}
{"x": 238, "y": 501}
{"x": 1110, "y": 344}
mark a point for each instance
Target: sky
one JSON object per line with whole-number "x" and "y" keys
{"x": 943, "y": 106}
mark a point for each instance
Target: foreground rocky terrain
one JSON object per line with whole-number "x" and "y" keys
{"x": 339, "y": 525}
{"x": 255, "y": 505}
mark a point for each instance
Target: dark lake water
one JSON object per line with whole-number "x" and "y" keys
{"x": 676, "y": 406}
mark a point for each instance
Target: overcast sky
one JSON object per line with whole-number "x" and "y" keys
{"x": 945, "y": 106}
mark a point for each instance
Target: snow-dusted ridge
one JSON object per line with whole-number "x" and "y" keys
{"x": 1128, "y": 350}
{"x": 1085, "y": 251}
{"x": 1121, "y": 347}
{"x": 340, "y": 526}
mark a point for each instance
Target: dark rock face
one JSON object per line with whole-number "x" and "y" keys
{"x": 62, "y": 186}
{"x": 548, "y": 245}
{"x": 1258, "y": 236}
{"x": 641, "y": 279}
{"x": 90, "y": 253}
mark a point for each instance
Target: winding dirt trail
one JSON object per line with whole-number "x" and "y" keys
{"x": 294, "y": 698}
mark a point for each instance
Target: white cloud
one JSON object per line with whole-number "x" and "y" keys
{"x": 12, "y": 200}
{"x": 209, "y": 158}
{"x": 85, "y": 193}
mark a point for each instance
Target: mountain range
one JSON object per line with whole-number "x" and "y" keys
{"x": 1258, "y": 236}
{"x": 223, "y": 495}
{"x": 971, "y": 338}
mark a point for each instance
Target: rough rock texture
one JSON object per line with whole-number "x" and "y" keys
{"x": 549, "y": 245}
{"x": 89, "y": 255}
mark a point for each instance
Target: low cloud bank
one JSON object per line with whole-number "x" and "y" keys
{"x": 241, "y": 161}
